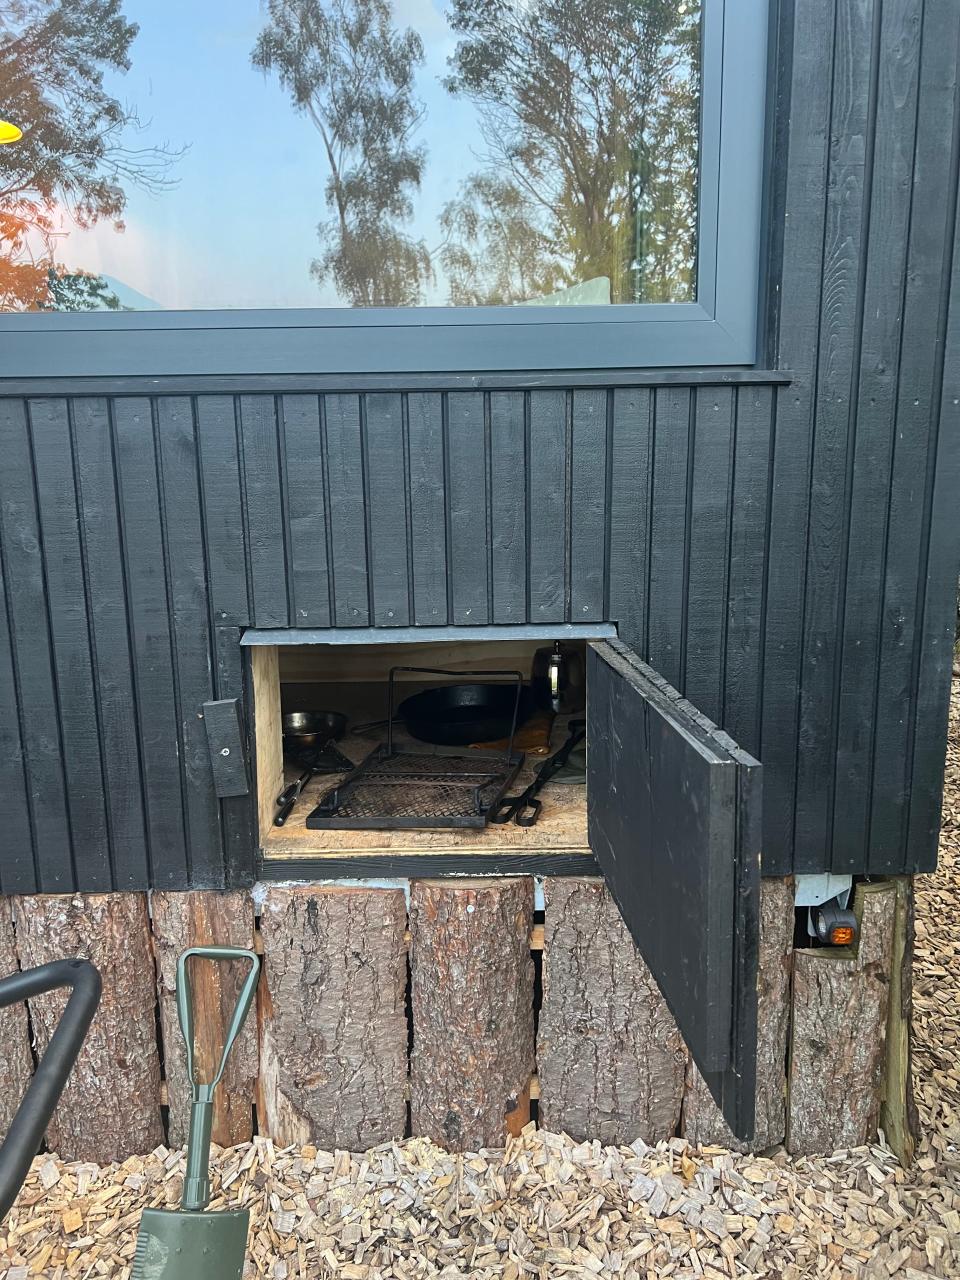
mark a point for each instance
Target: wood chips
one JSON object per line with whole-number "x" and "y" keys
{"x": 549, "y": 1207}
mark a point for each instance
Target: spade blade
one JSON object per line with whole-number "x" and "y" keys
{"x": 180, "y": 1245}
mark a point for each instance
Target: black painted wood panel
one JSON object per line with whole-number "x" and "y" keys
{"x": 670, "y": 516}
{"x": 674, "y": 818}
{"x": 225, "y": 525}
{"x": 156, "y": 705}
{"x": 783, "y": 552}
{"x": 707, "y": 586}
{"x": 547, "y": 503}
{"x": 263, "y": 508}
{"x": 806, "y": 52}
{"x": 589, "y": 500}
{"x": 628, "y": 530}
{"x": 468, "y": 530}
{"x": 114, "y": 679}
{"x": 754, "y": 428}
{"x": 344, "y": 499}
{"x": 305, "y": 510}
{"x": 508, "y": 507}
{"x": 427, "y": 506}
{"x": 33, "y": 668}
{"x": 67, "y": 608}
{"x": 190, "y": 632}
{"x": 921, "y": 380}
{"x": 885, "y": 267}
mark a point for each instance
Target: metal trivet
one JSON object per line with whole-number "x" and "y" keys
{"x": 391, "y": 790}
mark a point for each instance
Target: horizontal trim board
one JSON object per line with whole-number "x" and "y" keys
{"x": 327, "y": 319}
{"x": 402, "y": 349}
{"x": 424, "y": 635}
{"x": 531, "y": 380}
{"x": 416, "y": 866}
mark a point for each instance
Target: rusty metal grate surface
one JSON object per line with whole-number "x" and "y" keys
{"x": 390, "y": 791}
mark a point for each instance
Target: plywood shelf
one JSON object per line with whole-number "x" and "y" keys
{"x": 562, "y": 827}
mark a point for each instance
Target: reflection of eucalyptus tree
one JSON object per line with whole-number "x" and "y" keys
{"x": 76, "y": 156}
{"x": 588, "y": 110}
{"x": 352, "y": 73}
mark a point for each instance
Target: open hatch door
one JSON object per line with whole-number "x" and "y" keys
{"x": 674, "y": 809}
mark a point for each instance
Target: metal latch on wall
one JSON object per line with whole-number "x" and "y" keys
{"x": 228, "y": 757}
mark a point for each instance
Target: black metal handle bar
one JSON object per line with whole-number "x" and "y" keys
{"x": 525, "y": 808}
{"x": 43, "y": 1093}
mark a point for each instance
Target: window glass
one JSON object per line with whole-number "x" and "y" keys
{"x": 298, "y": 153}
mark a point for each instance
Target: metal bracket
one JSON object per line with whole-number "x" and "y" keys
{"x": 228, "y": 757}
{"x": 813, "y": 890}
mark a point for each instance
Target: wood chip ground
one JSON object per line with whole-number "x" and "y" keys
{"x": 550, "y": 1207}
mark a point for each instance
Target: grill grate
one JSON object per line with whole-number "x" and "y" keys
{"x": 410, "y": 789}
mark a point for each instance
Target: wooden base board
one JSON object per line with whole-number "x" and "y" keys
{"x": 427, "y": 866}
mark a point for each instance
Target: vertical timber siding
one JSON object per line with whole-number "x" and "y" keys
{"x": 786, "y": 555}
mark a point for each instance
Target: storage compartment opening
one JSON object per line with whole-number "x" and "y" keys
{"x": 420, "y": 816}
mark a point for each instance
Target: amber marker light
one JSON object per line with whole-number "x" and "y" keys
{"x": 9, "y": 132}
{"x": 841, "y": 935}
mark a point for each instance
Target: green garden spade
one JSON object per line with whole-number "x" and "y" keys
{"x": 186, "y": 1243}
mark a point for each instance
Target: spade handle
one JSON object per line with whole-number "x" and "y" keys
{"x": 196, "y": 1184}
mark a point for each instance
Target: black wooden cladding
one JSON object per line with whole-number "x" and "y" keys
{"x": 682, "y": 861}
{"x": 785, "y": 555}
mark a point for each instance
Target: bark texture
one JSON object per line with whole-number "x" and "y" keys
{"x": 16, "y": 1060}
{"x": 117, "y": 1076}
{"x": 702, "y": 1120}
{"x": 182, "y": 920}
{"x": 609, "y": 1056}
{"x": 898, "y": 1109}
{"x": 333, "y": 1029}
{"x": 472, "y": 999}
{"x": 839, "y": 1031}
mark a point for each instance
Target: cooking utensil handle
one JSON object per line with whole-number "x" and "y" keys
{"x": 559, "y": 758}
{"x": 510, "y": 806}
{"x": 286, "y": 809}
{"x": 291, "y": 792}
{"x": 528, "y": 812}
{"x": 196, "y": 1183}
{"x": 505, "y": 810}
{"x": 33, "y": 1115}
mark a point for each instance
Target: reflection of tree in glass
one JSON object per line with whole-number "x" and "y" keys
{"x": 352, "y": 73}
{"x": 589, "y": 111}
{"x": 492, "y": 251}
{"x": 79, "y": 291}
{"x": 75, "y": 158}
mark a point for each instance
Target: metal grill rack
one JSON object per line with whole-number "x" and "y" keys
{"x": 392, "y": 789}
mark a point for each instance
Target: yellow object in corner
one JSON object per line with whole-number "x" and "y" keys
{"x": 9, "y": 132}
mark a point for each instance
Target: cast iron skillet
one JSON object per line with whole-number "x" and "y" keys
{"x": 455, "y": 715}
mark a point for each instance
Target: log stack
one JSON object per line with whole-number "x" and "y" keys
{"x": 380, "y": 1016}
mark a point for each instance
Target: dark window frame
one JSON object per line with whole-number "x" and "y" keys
{"x": 720, "y": 329}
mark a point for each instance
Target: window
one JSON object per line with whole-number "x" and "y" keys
{"x": 378, "y": 185}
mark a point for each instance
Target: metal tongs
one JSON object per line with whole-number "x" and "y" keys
{"x": 288, "y": 797}
{"x": 525, "y": 808}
